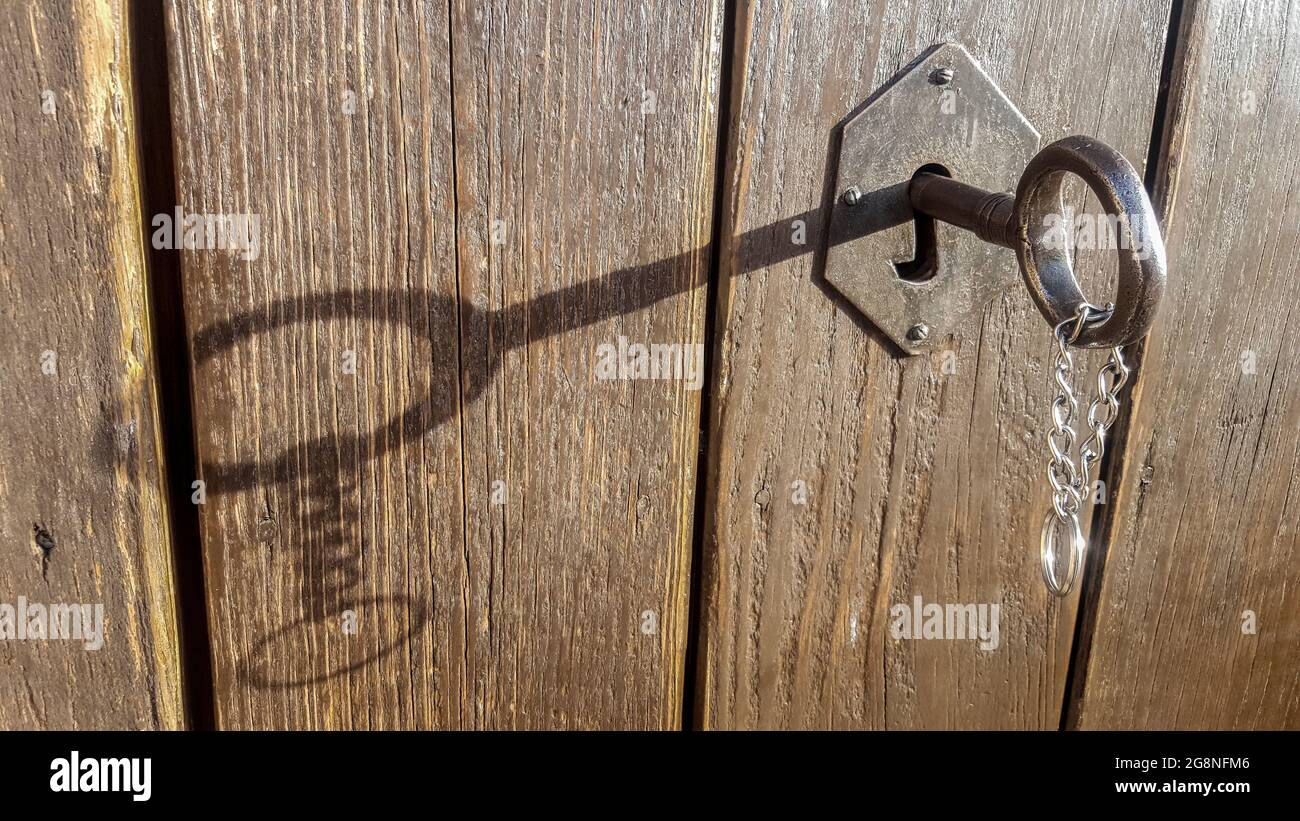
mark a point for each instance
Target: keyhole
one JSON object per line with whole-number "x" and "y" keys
{"x": 924, "y": 263}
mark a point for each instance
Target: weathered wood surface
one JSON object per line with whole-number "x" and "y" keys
{"x": 470, "y": 200}
{"x": 921, "y": 479}
{"x": 84, "y": 516}
{"x": 1206, "y": 530}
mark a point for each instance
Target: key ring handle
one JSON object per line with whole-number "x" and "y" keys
{"x": 1043, "y": 243}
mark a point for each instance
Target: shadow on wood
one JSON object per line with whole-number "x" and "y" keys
{"x": 437, "y": 318}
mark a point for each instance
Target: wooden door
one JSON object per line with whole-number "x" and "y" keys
{"x": 847, "y": 478}
{"x": 372, "y": 448}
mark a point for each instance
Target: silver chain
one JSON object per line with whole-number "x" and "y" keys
{"x": 1070, "y": 480}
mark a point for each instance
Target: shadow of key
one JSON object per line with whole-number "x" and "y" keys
{"x": 331, "y": 579}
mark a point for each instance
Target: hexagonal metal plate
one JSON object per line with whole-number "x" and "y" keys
{"x": 970, "y": 128}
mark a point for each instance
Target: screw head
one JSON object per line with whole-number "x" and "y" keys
{"x": 918, "y": 332}
{"x": 852, "y": 196}
{"x": 941, "y": 76}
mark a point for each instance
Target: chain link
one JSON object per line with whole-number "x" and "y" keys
{"x": 1071, "y": 480}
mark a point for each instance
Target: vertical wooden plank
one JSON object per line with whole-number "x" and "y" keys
{"x": 323, "y": 376}
{"x": 469, "y": 197}
{"x": 923, "y": 475}
{"x": 585, "y": 148}
{"x": 1196, "y": 617}
{"x": 84, "y": 519}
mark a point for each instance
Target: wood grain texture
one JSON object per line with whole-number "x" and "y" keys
{"x": 512, "y": 188}
{"x": 1208, "y": 514}
{"x": 84, "y": 518}
{"x": 586, "y": 139}
{"x": 922, "y": 480}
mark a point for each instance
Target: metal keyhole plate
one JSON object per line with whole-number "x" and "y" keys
{"x": 942, "y": 110}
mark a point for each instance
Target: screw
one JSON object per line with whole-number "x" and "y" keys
{"x": 919, "y": 332}
{"x": 852, "y": 196}
{"x": 941, "y": 76}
